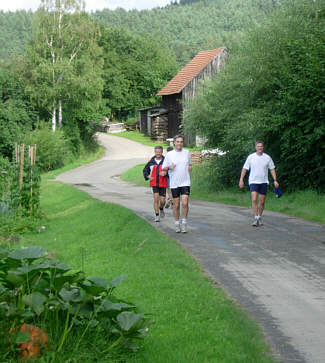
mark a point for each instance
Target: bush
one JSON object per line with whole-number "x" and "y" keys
{"x": 71, "y": 309}
{"x": 271, "y": 89}
{"x": 53, "y": 148}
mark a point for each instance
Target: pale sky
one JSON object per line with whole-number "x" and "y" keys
{"x": 91, "y": 5}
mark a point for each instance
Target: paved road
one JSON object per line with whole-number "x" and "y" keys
{"x": 275, "y": 272}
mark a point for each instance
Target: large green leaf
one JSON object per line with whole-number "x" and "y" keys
{"x": 29, "y": 253}
{"x": 74, "y": 295}
{"x": 15, "y": 278}
{"x": 36, "y": 301}
{"x": 127, "y": 320}
{"x": 98, "y": 281}
{"x": 117, "y": 281}
{"x": 108, "y": 305}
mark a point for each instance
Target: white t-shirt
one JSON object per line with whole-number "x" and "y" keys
{"x": 180, "y": 175}
{"x": 259, "y": 166}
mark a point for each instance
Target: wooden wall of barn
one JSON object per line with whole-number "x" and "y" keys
{"x": 173, "y": 104}
{"x": 191, "y": 89}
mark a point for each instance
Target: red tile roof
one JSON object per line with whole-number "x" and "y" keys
{"x": 195, "y": 66}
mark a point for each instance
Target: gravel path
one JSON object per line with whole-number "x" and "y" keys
{"x": 275, "y": 272}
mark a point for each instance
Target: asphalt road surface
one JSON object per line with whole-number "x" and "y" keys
{"x": 275, "y": 272}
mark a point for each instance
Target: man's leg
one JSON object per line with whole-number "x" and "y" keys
{"x": 156, "y": 206}
{"x": 184, "y": 206}
{"x": 161, "y": 206}
{"x": 255, "y": 209}
{"x": 261, "y": 204}
{"x": 176, "y": 209}
{"x": 254, "y": 203}
{"x": 184, "y": 213}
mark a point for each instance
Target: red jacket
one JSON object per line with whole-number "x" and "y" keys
{"x": 154, "y": 169}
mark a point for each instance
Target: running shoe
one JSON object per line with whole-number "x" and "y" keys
{"x": 260, "y": 222}
{"x": 184, "y": 228}
{"x": 162, "y": 213}
{"x": 177, "y": 228}
{"x": 255, "y": 223}
{"x": 157, "y": 219}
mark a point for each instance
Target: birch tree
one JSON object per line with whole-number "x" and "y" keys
{"x": 62, "y": 54}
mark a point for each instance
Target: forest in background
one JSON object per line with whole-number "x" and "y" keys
{"x": 116, "y": 61}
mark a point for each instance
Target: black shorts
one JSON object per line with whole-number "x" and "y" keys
{"x": 161, "y": 191}
{"x": 259, "y": 188}
{"x": 176, "y": 192}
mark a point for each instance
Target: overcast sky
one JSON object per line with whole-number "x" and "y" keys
{"x": 12, "y": 5}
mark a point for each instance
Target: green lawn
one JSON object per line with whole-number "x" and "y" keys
{"x": 194, "y": 321}
{"x": 139, "y": 137}
{"x": 305, "y": 204}
{"x": 146, "y": 140}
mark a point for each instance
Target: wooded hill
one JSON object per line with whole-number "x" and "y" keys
{"x": 186, "y": 28}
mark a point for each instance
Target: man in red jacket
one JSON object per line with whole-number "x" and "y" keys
{"x": 152, "y": 171}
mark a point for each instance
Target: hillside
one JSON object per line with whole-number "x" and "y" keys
{"x": 186, "y": 28}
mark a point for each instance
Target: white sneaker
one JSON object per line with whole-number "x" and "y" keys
{"x": 184, "y": 228}
{"x": 162, "y": 213}
{"x": 157, "y": 219}
{"x": 255, "y": 223}
{"x": 260, "y": 222}
{"x": 177, "y": 228}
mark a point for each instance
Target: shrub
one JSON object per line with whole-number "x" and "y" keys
{"x": 53, "y": 149}
{"x": 64, "y": 303}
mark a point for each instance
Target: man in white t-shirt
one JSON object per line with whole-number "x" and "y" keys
{"x": 178, "y": 164}
{"x": 259, "y": 164}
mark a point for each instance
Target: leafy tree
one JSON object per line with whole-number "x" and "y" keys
{"x": 15, "y": 32}
{"x": 273, "y": 89}
{"x": 16, "y": 112}
{"x": 63, "y": 59}
{"x": 134, "y": 70}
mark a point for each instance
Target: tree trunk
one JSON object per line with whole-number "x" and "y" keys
{"x": 60, "y": 114}
{"x": 54, "y": 119}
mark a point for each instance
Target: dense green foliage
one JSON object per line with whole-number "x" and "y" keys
{"x": 271, "y": 89}
{"x": 134, "y": 70}
{"x": 192, "y": 26}
{"x": 186, "y": 26}
{"x": 39, "y": 290}
{"x": 17, "y": 114}
{"x": 15, "y": 32}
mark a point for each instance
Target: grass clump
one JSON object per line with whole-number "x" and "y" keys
{"x": 194, "y": 321}
{"x": 306, "y": 204}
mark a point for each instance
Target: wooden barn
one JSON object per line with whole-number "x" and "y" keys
{"x": 167, "y": 119}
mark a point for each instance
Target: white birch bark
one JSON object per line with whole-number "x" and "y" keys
{"x": 54, "y": 119}
{"x": 60, "y": 114}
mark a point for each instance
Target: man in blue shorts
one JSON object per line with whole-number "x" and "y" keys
{"x": 259, "y": 164}
{"x": 178, "y": 165}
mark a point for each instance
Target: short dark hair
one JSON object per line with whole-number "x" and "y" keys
{"x": 159, "y": 147}
{"x": 177, "y": 137}
{"x": 170, "y": 148}
{"x": 259, "y": 142}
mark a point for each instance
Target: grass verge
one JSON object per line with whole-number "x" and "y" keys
{"x": 146, "y": 140}
{"x": 306, "y": 204}
{"x": 139, "y": 137}
{"x": 194, "y": 321}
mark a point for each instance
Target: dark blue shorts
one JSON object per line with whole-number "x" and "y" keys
{"x": 259, "y": 188}
{"x": 176, "y": 192}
